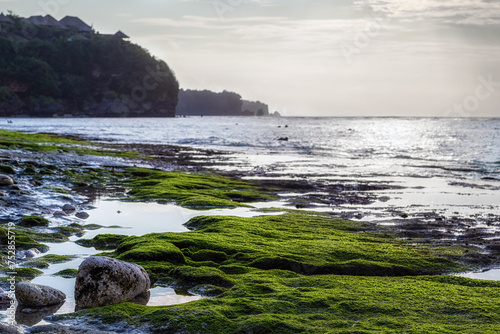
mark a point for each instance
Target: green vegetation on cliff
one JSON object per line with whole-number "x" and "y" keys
{"x": 48, "y": 70}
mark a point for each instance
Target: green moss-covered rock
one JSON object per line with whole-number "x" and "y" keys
{"x": 34, "y": 221}
{"x": 6, "y": 169}
{"x": 67, "y": 273}
{"x": 209, "y": 255}
{"x": 280, "y": 275}
{"x": 26, "y": 239}
{"x": 103, "y": 241}
{"x": 133, "y": 249}
{"x": 301, "y": 243}
{"x": 54, "y": 258}
{"x": 270, "y": 302}
{"x": 199, "y": 191}
{"x": 22, "y": 272}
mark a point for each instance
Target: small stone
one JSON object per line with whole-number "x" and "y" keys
{"x": 30, "y": 294}
{"x": 105, "y": 281}
{"x": 31, "y": 252}
{"x": 60, "y": 214}
{"x": 68, "y": 208}
{"x": 82, "y": 215}
{"x": 6, "y": 181}
{"x": 3, "y": 194}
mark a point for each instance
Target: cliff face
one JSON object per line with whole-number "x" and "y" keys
{"x": 47, "y": 71}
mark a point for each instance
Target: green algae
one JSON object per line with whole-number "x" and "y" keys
{"x": 280, "y": 302}
{"x": 301, "y": 243}
{"x": 301, "y": 273}
{"x": 22, "y": 272}
{"x": 30, "y": 221}
{"x": 26, "y": 238}
{"x": 103, "y": 241}
{"x": 54, "y": 143}
{"x": 193, "y": 190}
{"x": 67, "y": 273}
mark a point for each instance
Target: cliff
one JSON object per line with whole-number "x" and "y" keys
{"x": 49, "y": 69}
{"x": 207, "y": 103}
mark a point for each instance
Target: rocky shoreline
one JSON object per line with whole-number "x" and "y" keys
{"x": 49, "y": 177}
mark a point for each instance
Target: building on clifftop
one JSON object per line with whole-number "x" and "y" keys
{"x": 75, "y": 23}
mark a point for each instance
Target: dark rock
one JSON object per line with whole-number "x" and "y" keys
{"x": 82, "y": 215}
{"x": 60, "y": 214}
{"x": 68, "y": 208}
{"x": 7, "y": 170}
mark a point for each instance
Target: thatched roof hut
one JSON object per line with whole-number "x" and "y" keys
{"x": 75, "y": 22}
{"x": 120, "y": 34}
{"x": 5, "y": 19}
{"x": 47, "y": 21}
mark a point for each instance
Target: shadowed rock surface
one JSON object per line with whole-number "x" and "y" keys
{"x": 38, "y": 295}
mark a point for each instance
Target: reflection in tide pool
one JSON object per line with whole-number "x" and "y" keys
{"x": 126, "y": 218}
{"x": 131, "y": 218}
{"x": 491, "y": 274}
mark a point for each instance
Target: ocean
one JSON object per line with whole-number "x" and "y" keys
{"x": 446, "y": 160}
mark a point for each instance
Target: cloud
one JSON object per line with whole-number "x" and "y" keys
{"x": 467, "y": 12}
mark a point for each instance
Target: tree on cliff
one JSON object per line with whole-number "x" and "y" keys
{"x": 87, "y": 74}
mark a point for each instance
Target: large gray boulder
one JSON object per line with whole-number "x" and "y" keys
{"x": 6, "y": 181}
{"x": 105, "y": 281}
{"x": 30, "y": 294}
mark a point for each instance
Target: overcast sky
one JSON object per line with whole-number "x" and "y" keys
{"x": 316, "y": 57}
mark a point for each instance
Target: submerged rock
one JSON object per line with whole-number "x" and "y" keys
{"x": 30, "y": 294}
{"x": 105, "y": 281}
{"x": 6, "y": 181}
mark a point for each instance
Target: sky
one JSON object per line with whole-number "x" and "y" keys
{"x": 437, "y": 58}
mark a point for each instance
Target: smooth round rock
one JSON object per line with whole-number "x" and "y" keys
{"x": 68, "y": 208}
{"x": 105, "y": 281}
{"x": 82, "y": 215}
{"x": 60, "y": 214}
{"x": 30, "y": 294}
{"x": 6, "y": 181}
